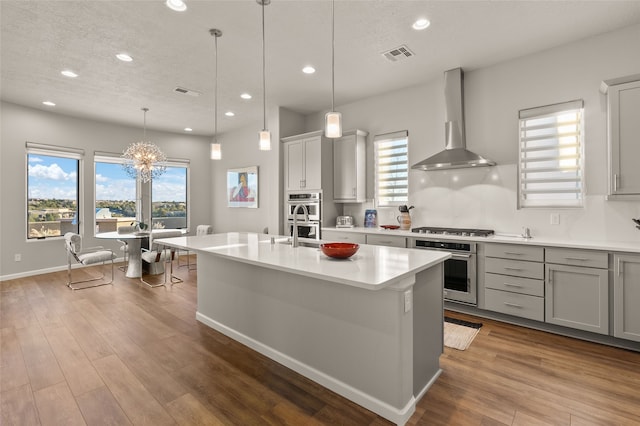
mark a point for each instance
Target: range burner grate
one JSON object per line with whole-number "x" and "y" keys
{"x": 464, "y": 232}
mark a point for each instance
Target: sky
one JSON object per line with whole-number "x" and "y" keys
{"x": 56, "y": 177}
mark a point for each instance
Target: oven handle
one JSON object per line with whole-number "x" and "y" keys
{"x": 461, "y": 256}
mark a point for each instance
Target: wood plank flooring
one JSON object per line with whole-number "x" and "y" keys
{"x": 129, "y": 354}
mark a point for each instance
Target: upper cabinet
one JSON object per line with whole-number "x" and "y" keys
{"x": 349, "y": 167}
{"x": 306, "y": 158}
{"x": 623, "y": 99}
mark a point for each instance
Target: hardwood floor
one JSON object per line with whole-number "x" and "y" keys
{"x": 129, "y": 354}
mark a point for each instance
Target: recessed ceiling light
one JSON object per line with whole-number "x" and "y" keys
{"x": 188, "y": 129}
{"x": 69, "y": 73}
{"x": 48, "y": 103}
{"x": 229, "y": 113}
{"x": 124, "y": 57}
{"x": 177, "y": 5}
{"x": 245, "y": 96}
{"x": 421, "y": 24}
{"x": 308, "y": 69}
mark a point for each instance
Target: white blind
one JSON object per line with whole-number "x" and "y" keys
{"x": 551, "y": 149}
{"x": 392, "y": 168}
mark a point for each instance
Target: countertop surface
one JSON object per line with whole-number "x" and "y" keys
{"x": 372, "y": 267}
{"x": 617, "y": 246}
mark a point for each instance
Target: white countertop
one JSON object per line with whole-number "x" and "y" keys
{"x": 617, "y": 246}
{"x": 372, "y": 267}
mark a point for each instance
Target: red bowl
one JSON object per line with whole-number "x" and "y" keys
{"x": 339, "y": 250}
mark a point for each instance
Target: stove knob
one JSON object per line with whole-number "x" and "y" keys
{"x": 472, "y": 234}
{"x": 465, "y": 234}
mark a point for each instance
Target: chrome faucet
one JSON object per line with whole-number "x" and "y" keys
{"x": 305, "y": 211}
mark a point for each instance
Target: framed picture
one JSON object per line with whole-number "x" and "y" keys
{"x": 242, "y": 187}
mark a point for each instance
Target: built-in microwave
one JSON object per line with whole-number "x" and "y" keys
{"x": 311, "y": 200}
{"x": 306, "y": 230}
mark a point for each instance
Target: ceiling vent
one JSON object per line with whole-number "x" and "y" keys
{"x": 398, "y": 53}
{"x": 184, "y": 91}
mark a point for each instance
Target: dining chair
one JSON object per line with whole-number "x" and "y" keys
{"x": 128, "y": 229}
{"x": 159, "y": 255}
{"x": 200, "y": 231}
{"x": 87, "y": 256}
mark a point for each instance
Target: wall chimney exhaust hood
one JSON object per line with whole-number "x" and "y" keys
{"x": 455, "y": 155}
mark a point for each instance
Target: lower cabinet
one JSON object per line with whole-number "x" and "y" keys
{"x": 387, "y": 240}
{"x": 576, "y": 296}
{"x": 347, "y": 237}
{"x": 626, "y": 294}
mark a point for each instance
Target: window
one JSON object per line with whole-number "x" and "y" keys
{"x": 53, "y": 203}
{"x": 550, "y": 170}
{"x": 115, "y": 196}
{"x": 169, "y": 198}
{"x": 392, "y": 168}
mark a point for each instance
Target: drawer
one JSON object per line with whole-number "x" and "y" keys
{"x": 386, "y": 240}
{"x": 520, "y": 305}
{"x": 349, "y": 237}
{"x": 514, "y": 284}
{"x": 514, "y": 251}
{"x": 517, "y": 268}
{"x": 575, "y": 257}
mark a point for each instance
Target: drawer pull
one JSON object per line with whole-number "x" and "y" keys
{"x": 513, "y": 305}
{"x": 580, "y": 259}
{"x": 512, "y": 269}
{"x": 512, "y": 285}
{"x": 513, "y": 253}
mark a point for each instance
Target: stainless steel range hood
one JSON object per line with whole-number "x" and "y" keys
{"x": 455, "y": 155}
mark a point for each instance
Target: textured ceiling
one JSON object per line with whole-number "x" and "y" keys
{"x": 41, "y": 38}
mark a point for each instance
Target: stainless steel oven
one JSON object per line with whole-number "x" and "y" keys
{"x": 306, "y": 230}
{"x": 311, "y": 200}
{"x": 460, "y": 280}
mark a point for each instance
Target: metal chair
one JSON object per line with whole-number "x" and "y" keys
{"x": 87, "y": 256}
{"x": 160, "y": 255}
{"x": 125, "y": 245}
{"x": 200, "y": 231}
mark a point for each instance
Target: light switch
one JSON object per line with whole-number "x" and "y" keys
{"x": 555, "y": 218}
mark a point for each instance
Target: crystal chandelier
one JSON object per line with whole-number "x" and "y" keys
{"x": 144, "y": 159}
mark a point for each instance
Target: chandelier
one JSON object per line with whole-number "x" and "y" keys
{"x": 144, "y": 159}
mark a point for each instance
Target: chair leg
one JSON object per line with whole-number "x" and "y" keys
{"x": 172, "y": 278}
{"x": 124, "y": 267}
{"x": 71, "y": 283}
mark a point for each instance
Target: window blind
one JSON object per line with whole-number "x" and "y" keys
{"x": 551, "y": 156}
{"x": 392, "y": 168}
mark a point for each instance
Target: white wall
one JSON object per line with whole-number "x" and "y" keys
{"x": 21, "y": 124}
{"x": 486, "y": 197}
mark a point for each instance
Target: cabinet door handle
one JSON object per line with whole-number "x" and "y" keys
{"x": 513, "y": 305}
{"x": 615, "y": 182}
{"x": 353, "y": 192}
{"x": 619, "y": 267}
{"x": 512, "y": 285}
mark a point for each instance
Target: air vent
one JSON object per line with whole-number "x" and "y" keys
{"x": 398, "y": 53}
{"x": 184, "y": 91}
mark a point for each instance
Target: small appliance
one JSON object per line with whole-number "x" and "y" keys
{"x": 344, "y": 222}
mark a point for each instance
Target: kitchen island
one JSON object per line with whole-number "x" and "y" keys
{"x": 369, "y": 327}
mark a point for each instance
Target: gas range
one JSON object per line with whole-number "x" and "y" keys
{"x": 462, "y": 232}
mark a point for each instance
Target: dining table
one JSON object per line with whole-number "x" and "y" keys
{"x": 134, "y": 241}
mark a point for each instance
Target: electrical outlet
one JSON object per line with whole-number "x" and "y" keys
{"x": 17, "y": 257}
{"x": 555, "y": 218}
{"x": 408, "y": 300}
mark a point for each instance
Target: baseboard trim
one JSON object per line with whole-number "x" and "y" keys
{"x": 47, "y": 270}
{"x": 398, "y": 416}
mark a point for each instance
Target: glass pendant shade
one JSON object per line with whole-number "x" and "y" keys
{"x": 333, "y": 125}
{"x": 265, "y": 140}
{"x": 216, "y": 151}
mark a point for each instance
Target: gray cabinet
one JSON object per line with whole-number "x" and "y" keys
{"x": 305, "y": 156}
{"x": 387, "y": 240}
{"x": 348, "y": 237}
{"x": 349, "y": 167}
{"x": 577, "y": 296}
{"x": 626, "y": 295}
{"x": 623, "y": 130}
{"x": 513, "y": 280}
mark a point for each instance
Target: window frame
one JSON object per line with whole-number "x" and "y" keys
{"x": 32, "y": 148}
{"x": 175, "y": 163}
{"x": 386, "y": 138}
{"x": 112, "y": 158}
{"x": 578, "y": 176}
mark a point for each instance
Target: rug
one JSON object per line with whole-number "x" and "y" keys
{"x": 458, "y": 334}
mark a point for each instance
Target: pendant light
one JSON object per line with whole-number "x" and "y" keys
{"x": 333, "y": 119}
{"x": 216, "y": 148}
{"x": 265, "y": 134}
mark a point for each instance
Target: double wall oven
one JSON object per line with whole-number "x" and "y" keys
{"x": 460, "y": 271}
{"x": 312, "y": 201}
